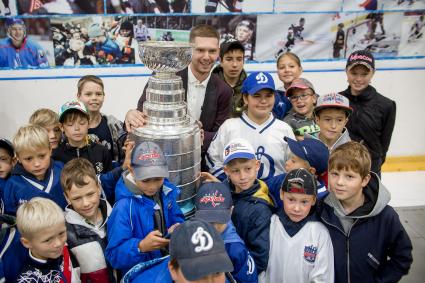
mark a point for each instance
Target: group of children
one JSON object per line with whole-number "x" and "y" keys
{"x": 293, "y": 200}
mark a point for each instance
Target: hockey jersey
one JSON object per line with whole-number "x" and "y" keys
{"x": 266, "y": 139}
{"x": 307, "y": 256}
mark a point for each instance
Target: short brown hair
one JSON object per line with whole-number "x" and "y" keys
{"x": 351, "y": 156}
{"x": 44, "y": 117}
{"x": 203, "y": 31}
{"x": 89, "y": 78}
{"x": 73, "y": 115}
{"x": 75, "y": 171}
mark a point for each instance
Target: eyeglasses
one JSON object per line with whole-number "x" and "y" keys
{"x": 301, "y": 97}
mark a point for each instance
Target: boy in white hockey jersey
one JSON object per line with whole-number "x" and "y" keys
{"x": 300, "y": 246}
{"x": 257, "y": 125}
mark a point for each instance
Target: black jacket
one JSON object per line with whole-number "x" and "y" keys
{"x": 97, "y": 154}
{"x": 370, "y": 244}
{"x": 372, "y": 122}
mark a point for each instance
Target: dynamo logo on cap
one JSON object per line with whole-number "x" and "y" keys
{"x": 202, "y": 240}
{"x": 261, "y": 78}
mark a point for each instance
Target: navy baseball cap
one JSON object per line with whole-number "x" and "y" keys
{"x": 361, "y": 57}
{"x": 199, "y": 250}
{"x": 312, "y": 150}
{"x": 300, "y": 181}
{"x": 7, "y": 145}
{"x": 213, "y": 203}
{"x": 257, "y": 81}
{"x": 148, "y": 161}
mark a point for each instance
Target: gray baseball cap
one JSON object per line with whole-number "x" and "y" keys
{"x": 148, "y": 161}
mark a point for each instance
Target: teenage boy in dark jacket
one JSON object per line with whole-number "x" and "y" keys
{"x": 373, "y": 118}
{"x": 370, "y": 243}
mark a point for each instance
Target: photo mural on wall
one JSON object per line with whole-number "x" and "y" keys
{"x": 75, "y": 33}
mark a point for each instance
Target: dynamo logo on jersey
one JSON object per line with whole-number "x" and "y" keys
{"x": 261, "y": 78}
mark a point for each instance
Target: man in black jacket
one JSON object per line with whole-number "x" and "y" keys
{"x": 373, "y": 118}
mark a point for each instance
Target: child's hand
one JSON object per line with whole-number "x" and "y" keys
{"x": 153, "y": 241}
{"x": 171, "y": 229}
{"x": 208, "y": 178}
{"x": 128, "y": 148}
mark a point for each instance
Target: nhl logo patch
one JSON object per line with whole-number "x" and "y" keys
{"x": 310, "y": 253}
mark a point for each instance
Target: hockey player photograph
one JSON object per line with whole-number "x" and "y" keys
{"x": 20, "y": 49}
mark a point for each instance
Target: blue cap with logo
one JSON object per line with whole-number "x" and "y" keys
{"x": 199, "y": 250}
{"x": 14, "y": 21}
{"x": 312, "y": 150}
{"x": 257, "y": 81}
{"x": 148, "y": 161}
{"x": 213, "y": 203}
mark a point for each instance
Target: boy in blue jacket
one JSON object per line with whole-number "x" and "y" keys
{"x": 370, "y": 243}
{"x": 35, "y": 174}
{"x": 214, "y": 205}
{"x": 139, "y": 221}
{"x": 7, "y": 161}
{"x": 253, "y": 203}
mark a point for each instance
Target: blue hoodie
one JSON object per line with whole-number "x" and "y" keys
{"x": 12, "y": 253}
{"x": 244, "y": 269}
{"x": 132, "y": 219}
{"x": 22, "y": 186}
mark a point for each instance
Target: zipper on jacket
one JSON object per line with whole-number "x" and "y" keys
{"x": 348, "y": 251}
{"x": 78, "y": 152}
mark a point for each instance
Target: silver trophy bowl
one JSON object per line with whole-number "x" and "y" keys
{"x": 168, "y": 123}
{"x": 165, "y": 56}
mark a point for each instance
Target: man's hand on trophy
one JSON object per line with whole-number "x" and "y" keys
{"x": 201, "y": 132}
{"x": 134, "y": 119}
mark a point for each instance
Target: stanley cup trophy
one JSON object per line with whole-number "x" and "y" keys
{"x": 168, "y": 123}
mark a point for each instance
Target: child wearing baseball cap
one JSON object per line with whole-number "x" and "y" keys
{"x": 7, "y": 160}
{"x": 253, "y": 203}
{"x": 74, "y": 120}
{"x": 214, "y": 204}
{"x": 374, "y": 119}
{"x": 258, "y": 125}
{"x": 303, "y": 97}
{"x": 313, "y": 155}
{"x": 197, "y": 254}
{"x": 145, "y": 211}
{"x": 331, "y": 115}
{"x": 300, "y": 246}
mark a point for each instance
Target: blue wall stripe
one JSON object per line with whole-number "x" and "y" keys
{"x": 148, "y": 75}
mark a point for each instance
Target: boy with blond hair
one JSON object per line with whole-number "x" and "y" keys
{"x": 370, "y": 243}
{"x": 86, "y": 218}
{"x": 35, "y": 174}
{"x": 42, "y": 226}
{"x": 300, "y": 245}
{"x": 49, "y": 120}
